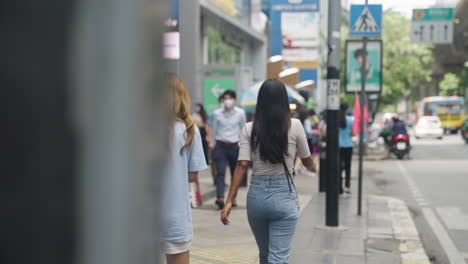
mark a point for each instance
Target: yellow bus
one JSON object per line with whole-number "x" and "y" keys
{"x": 450, "y": 110}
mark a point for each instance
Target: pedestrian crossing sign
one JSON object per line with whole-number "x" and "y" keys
{"x": 365, "y": 20}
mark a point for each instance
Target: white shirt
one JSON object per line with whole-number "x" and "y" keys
{"x": 297, "y": 144}
{"x": 227, "y": 126}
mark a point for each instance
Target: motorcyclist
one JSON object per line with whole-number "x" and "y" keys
{"x": 391, "y": 129}
{"x": 386, "y": 132}
{"x": 399, "y": 127}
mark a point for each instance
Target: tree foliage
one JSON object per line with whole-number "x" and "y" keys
{"x": 450, "y": 85}
{"x": 405, "y": 65}
{"x": 220, "y": 52}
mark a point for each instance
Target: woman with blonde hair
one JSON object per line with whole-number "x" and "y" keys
{"x": 185, "y": 159}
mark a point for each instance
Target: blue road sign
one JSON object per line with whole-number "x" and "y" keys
{"x": 365, "y": 20}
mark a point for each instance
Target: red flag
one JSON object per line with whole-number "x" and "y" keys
{"x": 357, "y": 117}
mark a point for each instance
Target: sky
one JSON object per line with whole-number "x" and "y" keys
{"x": 403, "y": 6}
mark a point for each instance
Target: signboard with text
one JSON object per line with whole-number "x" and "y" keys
{"x": 295, "y": 35}
{"x": 433, "y": 25}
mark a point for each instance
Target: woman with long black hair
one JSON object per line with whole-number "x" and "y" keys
{"x": 201, "y": 120}
{"x": 271, "y": 143}
{"x": 346, "y": 147}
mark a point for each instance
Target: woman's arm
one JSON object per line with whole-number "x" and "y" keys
{"x": 192, "y": 176}
{"x": 309, "y": 164}
{"x": 239, "y": 174}
{"x": 208, "y": 133}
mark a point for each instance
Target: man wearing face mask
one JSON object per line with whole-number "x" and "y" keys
{"x": 228, "y": 122}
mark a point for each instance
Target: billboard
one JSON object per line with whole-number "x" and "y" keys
{"x": 299, "y": 42}
{"x": 294, "y": 34}
{"x": 354, "y": 60}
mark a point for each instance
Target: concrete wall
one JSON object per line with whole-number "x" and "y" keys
{"x": 195, "y": 16}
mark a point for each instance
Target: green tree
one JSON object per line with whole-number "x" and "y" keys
{"x": 450, "y": 85}
{"x": 405, "y": 65}
{"x": 220, "y": 52}
{"x": 464, "y": 83}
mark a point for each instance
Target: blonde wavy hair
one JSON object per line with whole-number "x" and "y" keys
{"x": 179, "y": 108}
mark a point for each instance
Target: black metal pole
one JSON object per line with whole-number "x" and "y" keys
{"x": 333, "y": 105}
{"x": 323, "y": 166}
{"x": 361, "y": 132}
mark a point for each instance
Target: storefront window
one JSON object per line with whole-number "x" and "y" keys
{"x": 235, "y": 8}
{"x": 219, "y": 51}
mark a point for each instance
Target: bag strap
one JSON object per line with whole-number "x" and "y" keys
{"x": 288, "y": 176}
{"x": 290, "y": 180}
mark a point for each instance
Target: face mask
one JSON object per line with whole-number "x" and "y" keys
{"x": 197, "y": 109}
{"x": 228, "y": 103}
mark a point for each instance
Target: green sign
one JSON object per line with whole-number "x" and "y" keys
{"x": 212, "y": 89}
{"x": 354, "y": 60}
{"x": 432, "y": 14}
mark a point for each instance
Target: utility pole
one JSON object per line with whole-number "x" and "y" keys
{"x": 362, "y": 125}
{"x": 333, "y": 106}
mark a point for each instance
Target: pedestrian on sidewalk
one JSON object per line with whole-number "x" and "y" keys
{"x": 209, "y": 137}
{"x": 310, "y": 124}
{"x": 227, "y": 126}
{"x": 271, "y": 142}
{"x": 201, "y": 121}
{"x": 346, "y": 146}
{"x": 185, "y": 160}
{"x": 311, "y": 127}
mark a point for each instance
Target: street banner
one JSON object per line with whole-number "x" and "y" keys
{"x": 212, "y": 89}
{"x": 354, "y": 60}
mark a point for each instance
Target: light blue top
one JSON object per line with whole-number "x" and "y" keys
{"x": 345, "y": 140}
{"x": 308, "y": 127}
{"x": 227, "y": 126}
{"x": 176, "y": 213}
{"x": 210, "y": 120}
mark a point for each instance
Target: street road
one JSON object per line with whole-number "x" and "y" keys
{"x": 434, "y": 184}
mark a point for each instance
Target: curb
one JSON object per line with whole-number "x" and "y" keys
{"x": 405, "y": 233}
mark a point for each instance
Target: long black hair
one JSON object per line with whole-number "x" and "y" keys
{"x": 343, "y": 108}
{"x": 202, "y": 113}
{"x": 271, "y": 123}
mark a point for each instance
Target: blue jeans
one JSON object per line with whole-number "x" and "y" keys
{"x": 272, "y": 210}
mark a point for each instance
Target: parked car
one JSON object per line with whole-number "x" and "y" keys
{"x": 464, "y": 130}
{"x": 429, "y": 127}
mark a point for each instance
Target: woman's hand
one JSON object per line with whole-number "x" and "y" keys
{"x": 313, "y": 167}
{"x": 225, "y": 213}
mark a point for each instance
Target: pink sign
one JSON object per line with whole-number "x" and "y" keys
{"x": 172, "y": 45}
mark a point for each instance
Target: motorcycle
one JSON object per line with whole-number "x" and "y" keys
{"x": 400, "y": 146}
{"x": 464, "y": 134}
{"x": 464, "y": 130}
